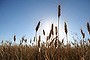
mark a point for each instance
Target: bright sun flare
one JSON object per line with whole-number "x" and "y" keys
{"x": 47, "y": 26}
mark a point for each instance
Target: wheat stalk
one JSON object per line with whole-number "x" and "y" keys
{"x": 59, "y": 11}
{"x": 52, "y": 32}
{"x": 88, "y": 27}
{"x": 83, "y": 34}
{"x": 30, "y": 40}
{"x": 43, "y": 32}
{"x": 65, "y": 28}
{"x": 25, "y": 40}
{"x": 66, "y": 31}
{"x": 56, "y": 30}
{"x": 39, "y": 39}
{"x": 34, "y": 39}
{"x": 55, "y": 43}
{"x": 51, "y": 42}
{"x": 20, "y": 42}
{"x": 14, "y": 38}
{"x": 37, "y": 27}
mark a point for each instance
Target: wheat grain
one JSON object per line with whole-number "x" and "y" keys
{"x": 88, "y": 27}
{"x": 52, "y": 27}
{"x": 43, "y": 32}
{"x": 14, "y": 38}
{"x": 52, "y": 32}
{"x": 83, "y": 34}
{"x": 25, "y": 40}
{"x": 37, "y": 27}
{"x": 65, "y": 28}
{"x": 56, "y": 30}
{"x": 59, "y": 11}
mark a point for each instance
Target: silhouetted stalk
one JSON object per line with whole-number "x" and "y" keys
{"x": 58, "y": 20}
{"x": 83, "y": 36}
{"x": 43, "y": 32}
{"x": 37, "y": 27}
{"x": 66, "y": 31}
{"x": 47, "y": 38}
{"x": 39, "y": 39}
{"x": 30, "y": 41}
{"x": 67, "y": 39}
{"x": 36, "y": 37}
{"x": 88, "y": 27}
{"x": 14, "y": 38}
{"x": 56, "y": 30}
{"x": 44, "y": 36}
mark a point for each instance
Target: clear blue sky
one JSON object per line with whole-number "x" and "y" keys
{"x": 20, "y": 17}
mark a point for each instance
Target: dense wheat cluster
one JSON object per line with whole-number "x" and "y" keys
{"x": 52, "y": 49}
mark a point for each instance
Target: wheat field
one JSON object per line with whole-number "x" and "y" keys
{"x": 52, "y": 49}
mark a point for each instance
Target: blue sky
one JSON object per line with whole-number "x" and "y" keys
{"x": 20, "y": 17}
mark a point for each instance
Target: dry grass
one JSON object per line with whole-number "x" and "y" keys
{"x": 54, "y": 50}
{"x": 32, "y": 53}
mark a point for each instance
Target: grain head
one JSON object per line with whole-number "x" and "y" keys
{"x": 14, "y": 38}
{"x": 65, "y": 28}
{"x": 83, "y": 34}
{"x": 37, "y": 27}
{"x": 56, "y": 30}
{"x": 43, "y": 32}
{"x": 88, "y": 27}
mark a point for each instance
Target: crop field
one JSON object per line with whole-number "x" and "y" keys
{"x": 66, "y": 37}
{"x": 52, "y": 49}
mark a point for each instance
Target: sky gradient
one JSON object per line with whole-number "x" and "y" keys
{"x": 20, "y": 17}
